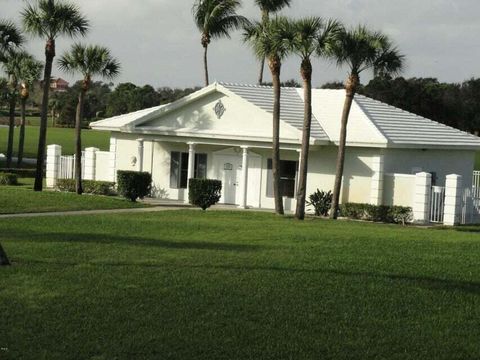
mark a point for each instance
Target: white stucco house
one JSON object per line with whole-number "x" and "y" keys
{"x": 223, "y": 129}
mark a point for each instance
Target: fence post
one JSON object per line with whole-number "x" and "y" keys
{"x": 453, "y": 200}
{"x": 421, "y": 204}
{"x": 54, "y": 152}
{"x": 376, "y": 195}
{"x": 113, "y": 160}
{"x": 90, "y": 163}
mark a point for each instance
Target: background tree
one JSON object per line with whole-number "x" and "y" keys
{"x": 30, "y": 70}
{"x": 49, "y": 19}
{"x": 311, "y": 36}
{"x": 215, "y": 19}
{"x": 89, "y": 61}
{"x": 269, "y": 41}
{"x": 10, "y": 38}
{"x": 268, "y": 7}
{"x": 360, "y": 49}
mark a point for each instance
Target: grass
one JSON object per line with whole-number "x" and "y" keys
{"x": 22, "y": 199}
{"x": 236, "y": 285}
{"x": 60, "y": 136}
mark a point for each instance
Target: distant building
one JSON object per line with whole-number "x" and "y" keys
{"x": 58, "y": 85}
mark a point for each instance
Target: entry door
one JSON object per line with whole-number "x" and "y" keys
{"x": 229, "y": 172}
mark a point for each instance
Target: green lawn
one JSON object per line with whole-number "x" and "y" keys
{"x": 22, "y": 199}
{"x": 236, "y": 285}
{"x": 60, "y": 136}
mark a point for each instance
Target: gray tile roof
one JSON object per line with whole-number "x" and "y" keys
{"x": 292, "y": 106}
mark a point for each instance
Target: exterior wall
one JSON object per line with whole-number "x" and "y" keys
{"x": 399, "y": 189}
{"x": 102, "y": 163}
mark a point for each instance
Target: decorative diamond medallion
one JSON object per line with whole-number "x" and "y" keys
{"x": 219, "y": 109}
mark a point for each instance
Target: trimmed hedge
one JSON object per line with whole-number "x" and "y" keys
{"x": 321, "y": 201}
{"x": 89, "y": 186}
{"x": 133, "y": 184}
{"x": 8, "y": 179}
{"x": 204, "y": 192}
{"x": 381, "y": 213}
{"x": 22, "y": 173}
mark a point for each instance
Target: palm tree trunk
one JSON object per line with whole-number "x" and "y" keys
{"x": 78, "y": 142}
{"x": 205, "y": 64}
{"x": 275, "y": 67}
{"x": 42, "y": 139}
{"x": 262, "y": 67}
{"x": 11, "y": 128}
{"x": 351, "y": 87}
{"x": 307, "y": 122}
{"x": 21, "y": 139}
{"x": 3, "y": 257}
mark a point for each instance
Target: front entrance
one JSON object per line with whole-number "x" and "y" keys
{"x": 229, "y": 171}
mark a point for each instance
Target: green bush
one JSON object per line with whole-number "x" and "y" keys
{"x": 321, "y": 202}
{"x": 133, "y": 184}
{"x": 380, "y": 213}
{"x": 204, "y": 192}
{"x": 21, "y": 173}
{"x": 8, "y": 179}
{"x": 89, "y": 186}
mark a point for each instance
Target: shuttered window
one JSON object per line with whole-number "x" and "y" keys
{"x": 288, "y": 174}
{"x": 179, "y": 169}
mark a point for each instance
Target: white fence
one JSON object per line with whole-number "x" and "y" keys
{"x": 67, "y": 166}
{"x": 437, "y": 204}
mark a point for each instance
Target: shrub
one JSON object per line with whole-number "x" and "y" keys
{"x": 89, "y": 186}
{"x": 21, "y": 173}
{"x": 8, "y": 179}
{"x": 204, "y": 192}
{"x": 380, "y": 213}
{"x": 321, "y": 202}
{"x": 133, "y": 184}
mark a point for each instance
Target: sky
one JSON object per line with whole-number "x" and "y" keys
{"x": 157, "y": 42}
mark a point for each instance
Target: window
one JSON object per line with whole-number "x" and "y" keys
{"x": 288, "y": 174}
{"x": 179, "y": 169}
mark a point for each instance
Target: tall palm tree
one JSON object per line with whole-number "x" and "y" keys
{"x": 49, "y": 19}
{"x": 215, "y": 19}
{"x": 30, "y": 71}
{"x": 268, "y": 7}
{"x": 10, "y": 38}
{"x": 311, "y": 36}
{"x": 11, "y": 65}
{"x": 269, "y": 41}
{"x": 89, "y": 61}
{"x": 360, "y": 49}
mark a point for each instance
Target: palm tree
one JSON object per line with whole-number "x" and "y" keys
{"x": 50, "y": 19}
{"x": 10, "y": 38}
{"x": 360, "y": 49}
{"x": 268, "y": 7}
{"x": 269, "y": 41}
{"x": 89, "y": 61}
{"x": 11, "y": 65}
{"x": 215, "y": 19}
{"x": 30, "y": 71}
{"x": 311, "y": 36}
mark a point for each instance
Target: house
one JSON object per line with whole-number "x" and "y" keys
{"x": 221, "y": 130}
{"x": 58, "y": 85}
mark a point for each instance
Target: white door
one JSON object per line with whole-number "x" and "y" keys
{"x": 229, "y": 170}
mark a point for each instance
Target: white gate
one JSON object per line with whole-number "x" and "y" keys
{"x": 476, "y": 184}
{"x": 67, "y": 166}
{"x": 437, "y": 204}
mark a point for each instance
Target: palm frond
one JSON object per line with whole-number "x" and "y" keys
{"x": 272, "y": 6}
{"x": 10, "y": 36}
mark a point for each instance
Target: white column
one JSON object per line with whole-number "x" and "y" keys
{"x": 140, "y": 154}
{"x": 376, "y": 194}
{"x": 191, "y": 166}
{"x": 54, "y": 152}
{"x": 421, "y": 204}
{"x": 90, "y": 163}
{"x": 453, "y": 200}
{"x": 244, "y": 188}
{"x": 113, "y": 160}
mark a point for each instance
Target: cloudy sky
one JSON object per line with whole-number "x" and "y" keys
{"x": 157, "y": 42}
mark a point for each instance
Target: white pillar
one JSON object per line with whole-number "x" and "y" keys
{"x": 244, "y": 188}
{"x": 421, "y": 204}
{"x": 453, "y": 200}
{"x": 90, "y": 163}
{"x": 140, "y": 154}
{"x": 112, "y": 172}
{"x": 376, "y": 192}
{"x": 191, "y": 166}
{"x": 54, "y": 152}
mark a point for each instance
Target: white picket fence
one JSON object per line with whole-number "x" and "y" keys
{"x": 437, "y": 204}
{"x": 67, "y": 166}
